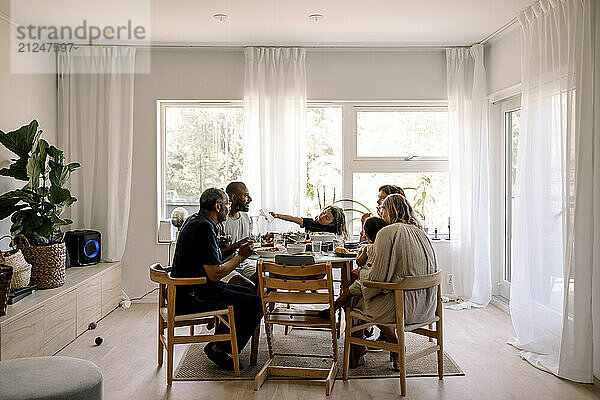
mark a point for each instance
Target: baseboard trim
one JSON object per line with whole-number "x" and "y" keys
{"x": 500, "y": 304}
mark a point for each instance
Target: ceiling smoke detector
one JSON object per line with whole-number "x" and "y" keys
{"x": 221, "y": 17}
{"x": 315, "y": 17}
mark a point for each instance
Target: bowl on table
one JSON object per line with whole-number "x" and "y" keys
{"x": 296, "y": 248}
{"x": 352, "y": 245}
{"x": 323, "y": 237}
{"x": 269, "y": 252}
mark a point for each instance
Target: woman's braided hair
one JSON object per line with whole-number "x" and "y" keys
{"x": 400, "y": 210}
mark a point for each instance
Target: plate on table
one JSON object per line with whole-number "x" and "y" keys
{"x": 348, "y": 255}
{"x": 341, "y": 252}
{"x": 269, "y": 252}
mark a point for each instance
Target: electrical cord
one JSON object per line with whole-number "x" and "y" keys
{"x": 144, "y": 295}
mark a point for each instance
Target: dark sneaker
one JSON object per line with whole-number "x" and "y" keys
{"x": 222, "y": 359}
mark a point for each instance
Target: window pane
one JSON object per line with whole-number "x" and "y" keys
{"x": 513, "y": 121}
{"x": 402, "y": 133}
{"x": 324, "y": 154}
{"x": 515, "y": 118}
{"x": 435, "y": 209}
{"x": 203, "y": 149}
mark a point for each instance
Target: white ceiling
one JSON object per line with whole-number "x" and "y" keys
{"x": 387, "y": 23}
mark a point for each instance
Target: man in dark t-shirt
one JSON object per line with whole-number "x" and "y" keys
{"x": 197, "y": 254}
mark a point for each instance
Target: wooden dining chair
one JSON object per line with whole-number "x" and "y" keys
{"x": 307, "y": 284}
{"x": 167, "y": 320}
{"x": 407, "y": 283}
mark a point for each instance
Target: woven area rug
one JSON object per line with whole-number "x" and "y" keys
{"x": 194, "y": 364}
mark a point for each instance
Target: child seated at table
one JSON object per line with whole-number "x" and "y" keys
{"x": 371, "y": 226}
{"x": 331, "y": 219}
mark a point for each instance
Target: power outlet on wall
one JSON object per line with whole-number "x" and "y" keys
{"x": 450, "y": 279}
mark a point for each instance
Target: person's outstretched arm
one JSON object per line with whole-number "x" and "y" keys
{"x": 288, "y": 218}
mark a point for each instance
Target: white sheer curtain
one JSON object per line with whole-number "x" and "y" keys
{"x": 274, "y": 130}
{"x": 554, "y": 256}
{"x": 469, "y": 175}
{"x": 95, "y": 128}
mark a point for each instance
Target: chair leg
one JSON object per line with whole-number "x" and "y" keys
{"x": 347, "y": 343}
{"x": 161, "y": 330}
{"x": 287, "y": 328}
{"x": 440, "y": 352}
{"x": 269, "y": 332}
{"x": 234, "y": 346}
{"x": 254, "y": 345}
{"x": 170, "y": 340}
{"x": 431, "y": 328}
{"x": 399, "y": 297}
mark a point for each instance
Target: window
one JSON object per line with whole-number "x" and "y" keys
{"x": 402, "y": 133}
{"x": 433, "y": 211}
{"x": 324, "y": 157}
{"x": 202, "y": 149}
{"x": 505, "y": 129}
{"x": 352, "y": 150}
{"x": 405, "y": 146}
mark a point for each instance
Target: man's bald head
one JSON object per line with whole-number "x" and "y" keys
{"x": 239, "y": 197}
{"x": 235, "y": 188}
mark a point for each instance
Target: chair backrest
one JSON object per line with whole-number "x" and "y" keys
{"x": 286, "y": 259}
{"x": 158, "y": 274}
{"x": 288, "y": 284}
{"x": 421, "y": 281}
{"x": 409, "y": 282}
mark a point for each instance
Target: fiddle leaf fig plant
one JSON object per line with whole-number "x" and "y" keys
{"x": 35, "y": 209}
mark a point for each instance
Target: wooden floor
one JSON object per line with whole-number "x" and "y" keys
{"x": 476, "y": 339}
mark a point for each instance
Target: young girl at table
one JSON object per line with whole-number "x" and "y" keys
{"x": 331, "y": 219}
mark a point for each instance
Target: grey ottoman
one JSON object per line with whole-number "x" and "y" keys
{"x": 57, "y": 378}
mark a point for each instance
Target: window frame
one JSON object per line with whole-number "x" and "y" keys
{"x": 506, "y": 106}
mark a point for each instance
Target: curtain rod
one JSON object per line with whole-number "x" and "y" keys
{"x": 498, "y": 31}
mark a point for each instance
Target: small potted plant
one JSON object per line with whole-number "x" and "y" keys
{"x": 36, "y": 208}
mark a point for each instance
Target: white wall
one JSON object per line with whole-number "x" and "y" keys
{"x": 376, "y": 75}
{"x": 218, "y": 74}
{"x": 22, "y": 98}
{"x": 502, "y": 58}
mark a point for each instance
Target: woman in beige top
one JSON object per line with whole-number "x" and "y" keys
{"x": 401, "y": 249}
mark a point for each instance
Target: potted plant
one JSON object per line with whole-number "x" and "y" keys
{"x": 422, "y": 197}
{"x": 36, "y": 208}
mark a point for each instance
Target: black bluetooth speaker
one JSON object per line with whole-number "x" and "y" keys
{"x": 83, "y": 247}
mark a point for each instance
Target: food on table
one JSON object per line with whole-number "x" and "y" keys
{"x": 294, "y": 237}
{"x": 341, "y": 250}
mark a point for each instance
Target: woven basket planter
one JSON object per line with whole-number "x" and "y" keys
{"x": 21, "y": 268}
{"x": 5, "y": 277}
{"x": 48, "y": 262}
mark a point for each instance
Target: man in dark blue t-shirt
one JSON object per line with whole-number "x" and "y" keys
{"x": 197, "y": 254}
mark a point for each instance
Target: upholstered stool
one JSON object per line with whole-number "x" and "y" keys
{"x": 57, "y": 378}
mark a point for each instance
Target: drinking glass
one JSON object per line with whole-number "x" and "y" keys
{"x": 316, "y": 247}
{"x": 278, "y": 240}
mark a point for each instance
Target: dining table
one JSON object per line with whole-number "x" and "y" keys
{"x": 343, "y": 263}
